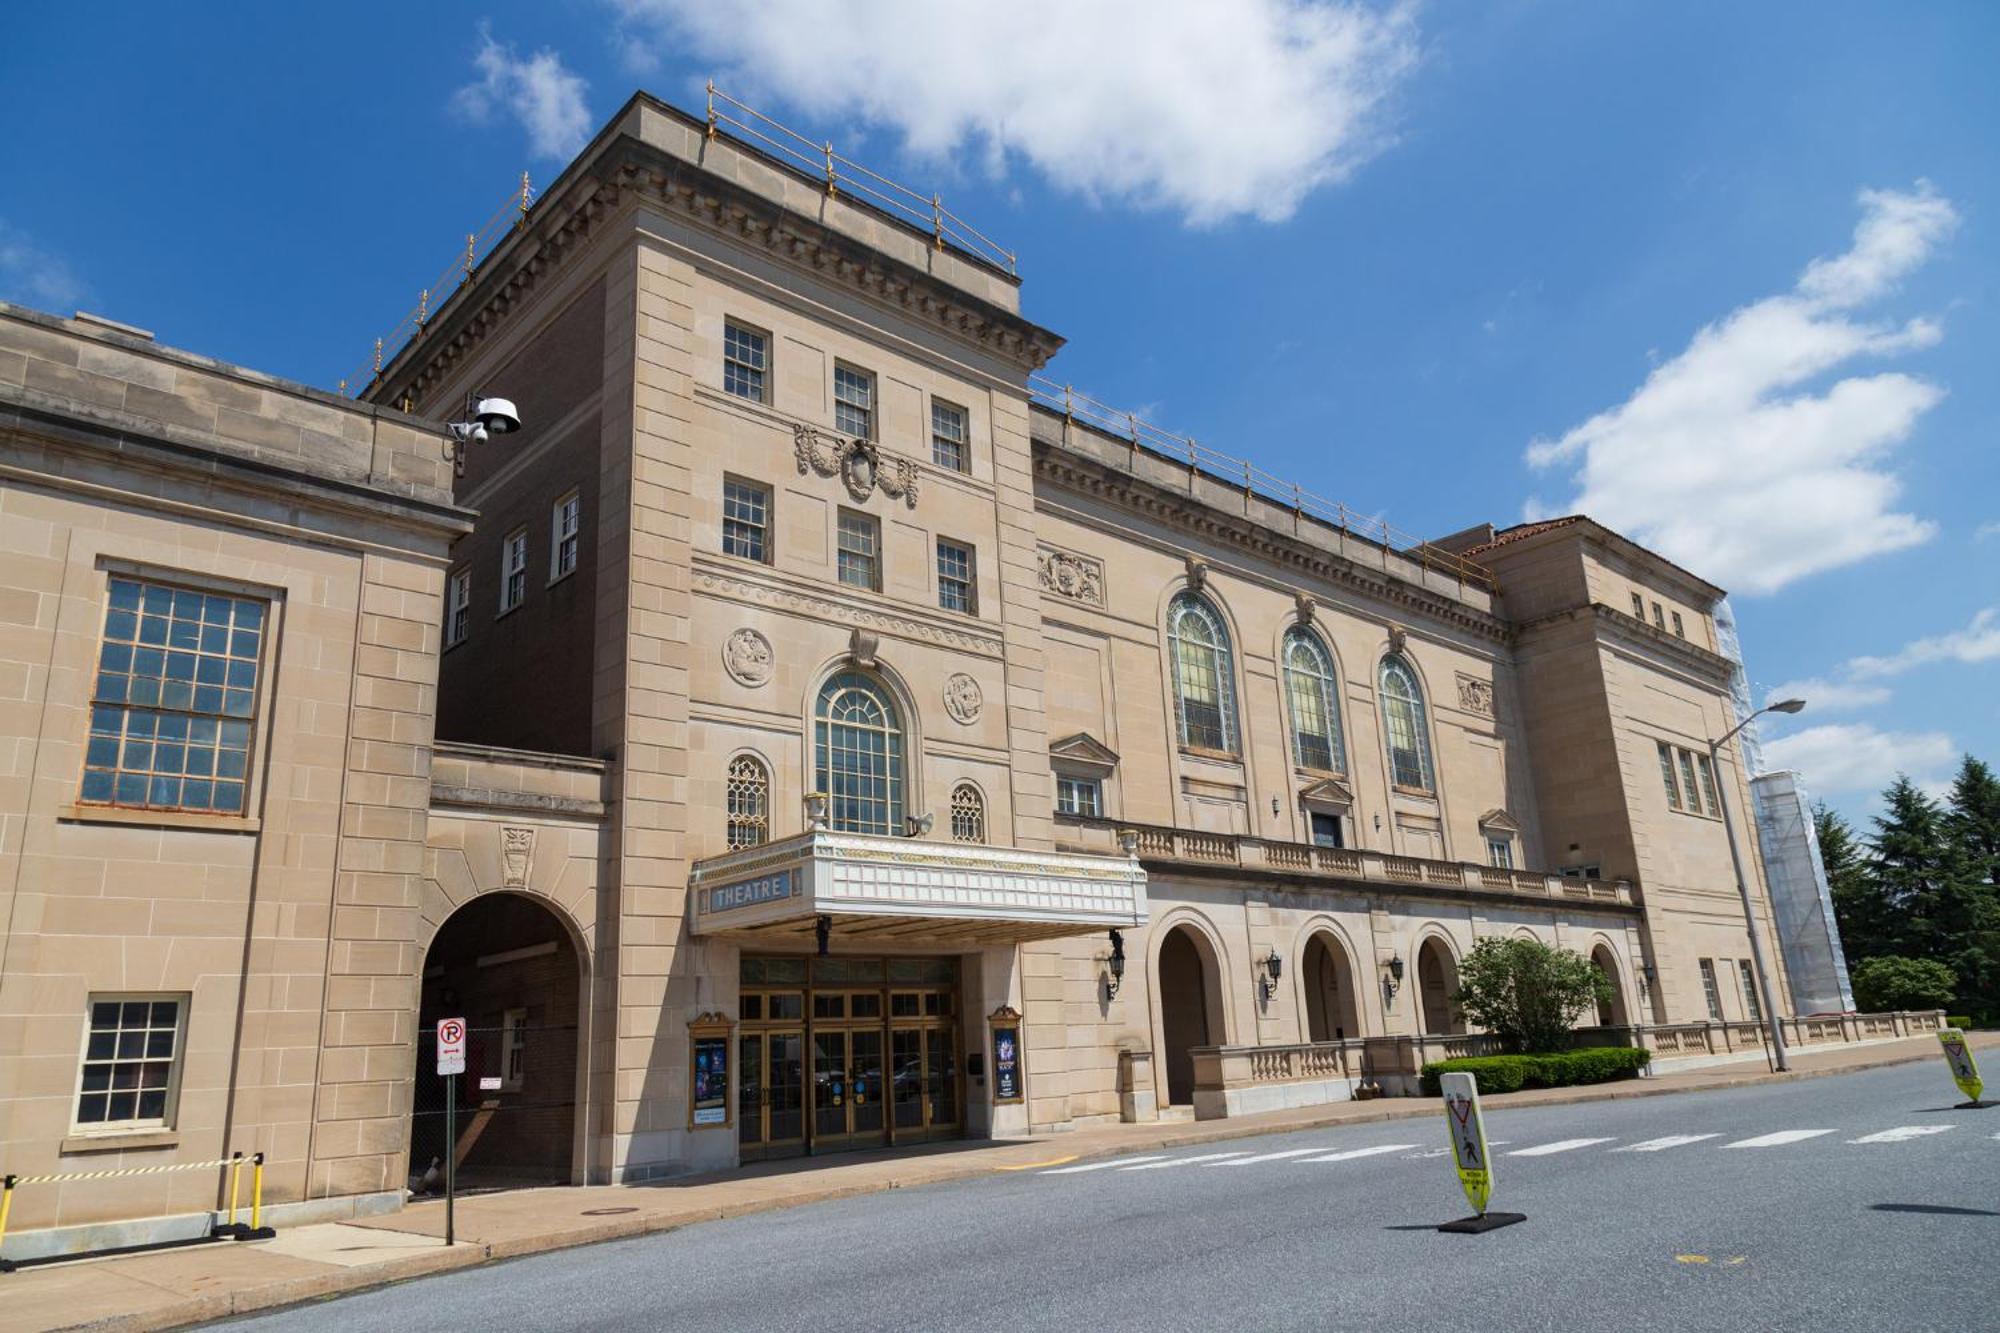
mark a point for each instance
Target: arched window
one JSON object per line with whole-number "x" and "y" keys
{"x": 1404, "y": 726}
{"x": 749, "y": 802}
{"x": 859, "y": 751}
{"x": 1314, "y": 697}
{"x": 1204, "y": 689}
{"x": 968, "y": 814}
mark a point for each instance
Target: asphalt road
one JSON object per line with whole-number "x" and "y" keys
{"x": 1855, "y": 1202}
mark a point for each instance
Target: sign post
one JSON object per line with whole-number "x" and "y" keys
{"x": 450, "y": 1064}
{"x": 1468, "y": 1151}
{"x": 1964, "y": 1071}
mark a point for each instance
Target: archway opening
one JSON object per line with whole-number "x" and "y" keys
{"x": 1332, "y": 1003}
{"x": 1611, "y": 1012}
{"x": 506, "y": 965}
{"x": 1190, "y": 1008}
{"x": 1437, "y": 982}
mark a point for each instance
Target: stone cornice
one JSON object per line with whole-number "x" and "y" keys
{"x": 1611, "y": 623}
{"x": 1060, "y": 467}
{"x": 770, "y": 590}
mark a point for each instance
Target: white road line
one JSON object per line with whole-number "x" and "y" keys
{"x": 1352, "y": 1153}
{"x": 1783, "y": 1136}
{"x": 1902, "y": 1133}
{"x": 1560, "y": 1145}
{"x": 1428, "y": 1153}
{"x": 1670, "y": 1141}
{"x": 1097, "y": 1166}
{"x": 1186, "y": 1161}
{"x": 1266, "y": 1157}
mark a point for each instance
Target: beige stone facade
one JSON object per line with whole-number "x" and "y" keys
{"x": 783, "y": 457}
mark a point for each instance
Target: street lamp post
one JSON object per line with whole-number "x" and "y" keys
{"x": 1771, "y": 1019}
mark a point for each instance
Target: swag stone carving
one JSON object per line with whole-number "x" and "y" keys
{"x": 1074, "y": 576}
{"x": 1475, "y": 695}
{"x": 858, "y": 463}
{"x": 746, "y": 656}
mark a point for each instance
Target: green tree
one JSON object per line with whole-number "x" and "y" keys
{"x": 1526, "y": 993}
{"x": 1894, "y": 982}
{"x": 1972, "y": 824}
{"x": 1868, "y": 925}
{"x": 1943, "y": 911}
{"x": 1973, "y": 819}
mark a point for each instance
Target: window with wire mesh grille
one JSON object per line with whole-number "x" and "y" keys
{"x": 565, "y": 533}
{"x": 746, "y": 520}
{"x": 957, "y": 577}
{"x": 948, "y": 437}
{"x": 174, "y": 699}
{"x": 749, "y": 798}
{"x": 860, "y": 550}
{"x": 745, "y": 362}
{"x": 853, "y": 402}
{"x": 968, "y": 814}
{"x": 130, "y": 1051}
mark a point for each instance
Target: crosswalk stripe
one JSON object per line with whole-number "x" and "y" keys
{"x": 1902, "y": 1133}
{"x": 1783, "y": 1136}
{"x": 1662, "y": 1144}
{"x": 1098, "y": 1166}
{"x": 1561, "y": 1145}
{"x": 1265, "y": 1157}
{"x": 1352, "y": 1153}
{"x": 1187, "y": 1161}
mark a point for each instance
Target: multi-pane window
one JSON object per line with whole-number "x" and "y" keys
{"x": 746, "y": 362}
{"x": 1326, "y": 830}
{"x": 1692, "y": 797}
{"x": 746, "y": 520}
{"x": 1079, "y": 796}
{"x": 1638, "y": 606}
{"x": 1500, "y": 851}
{"x": 458, "y": 607}
{"x": 514, "y": 569}
{"x": 1204, "y": 680}
{"x": 565, "y": 528}
{"x": 1680, "y": 630}
{"x": 749, "y": 793}
{"x": 858, "y": 747}
{"x": 1709, "y": 991}
{"x": 1659, "y": 619}
{"x": 968, "y": 814}
{"x": 957, "y": 590}
{"x": 174, "y": 699}
{"x": 1708, "y": 783}
{"x": 1404, "y": 726}
{"x": 948, "y": 437}
{"x": 860, "y": 550}
{"x": 854, "y": 402}
{"x": 1667, "y": 775}
{"x": 1750, "y": 1003}
{"x": 1311, "y": 689}
{"x": 129, "y": 1054}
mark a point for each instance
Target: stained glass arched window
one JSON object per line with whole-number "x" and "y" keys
{"x": 749, "y": 791}
{"x": 1404, "y": 726}
{"x": 1313, "y": 692}
{"x": 968, "y": 814}
{"x": 1204, "y": 678}
{"x": 858, "y": 751}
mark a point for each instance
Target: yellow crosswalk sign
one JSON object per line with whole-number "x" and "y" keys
{"x": 1958, "y": 1055}
{"x": 1468, "y": 1138}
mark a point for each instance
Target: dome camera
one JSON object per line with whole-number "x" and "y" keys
{"x": 497, "y": 415}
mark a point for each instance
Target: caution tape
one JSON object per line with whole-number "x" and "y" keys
{"x": 121, "y": 1171}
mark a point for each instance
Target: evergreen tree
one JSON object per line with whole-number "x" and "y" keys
{"x": 1868, "y": 925}
{"x": 1939, "y": 910}
{"x": 1972, "y": 824}
{"x": 1974, "y": 819}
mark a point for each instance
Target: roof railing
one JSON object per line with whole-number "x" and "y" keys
{"x": 1199, "y": 458}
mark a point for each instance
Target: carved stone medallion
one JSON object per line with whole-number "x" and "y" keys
{"x": 517, "y": 854}
{"x": 746, "y": 656}
{"x": 963, "y": 698}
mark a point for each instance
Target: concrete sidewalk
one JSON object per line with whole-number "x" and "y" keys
{"x": 171, "y": 1288}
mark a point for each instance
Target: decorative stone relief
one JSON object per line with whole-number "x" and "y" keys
{"x": 1197, "y": 573}
{"x": 963, "y": 698}
{"x": 1398, "y": 636}
{"x": 859, "y": 464}
{"x": 1069, "y": 575}
{"x": 1307, "y": 607}
{"x": 861, "y": 646}
{"x": 747, "y": 657}
{"x": 517, "y": 854}
{"x": 1475, "y": 695}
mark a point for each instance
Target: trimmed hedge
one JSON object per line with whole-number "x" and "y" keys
{"x": 1556, "y": 1069}
{"x": 1958, "y": 1021}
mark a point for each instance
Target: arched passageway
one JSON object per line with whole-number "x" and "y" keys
{"x": 1610, "y": 1012}
{"x": 505, "y": 964}
{"x": 1190, "y": 1008}
{"x": 1437, "y": 982}
{"x": 1332, "y": 1003}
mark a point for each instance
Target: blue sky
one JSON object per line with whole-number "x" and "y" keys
{"x": 1448, "y": 262}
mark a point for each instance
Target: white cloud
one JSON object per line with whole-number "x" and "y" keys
{"x": 1728, "y": 461}
{"x": 540, "y": 92}
{"x": 1855, "y": 757}
{"x": 1829, "y": 696}
{"x": 35, "y": 276}
{"x": 1979, "y": 641}
{"x": 1210, "y": 110}
{"x": 1986, "y": 530}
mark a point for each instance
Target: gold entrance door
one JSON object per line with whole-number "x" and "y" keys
{"x": 848, "y": 1084}
{"x": 770, "y": 1102}
{"x": 923, "y": 1071}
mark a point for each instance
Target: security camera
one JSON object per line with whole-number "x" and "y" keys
{"x": 497, "y": 415}
{"x": 485, "y": 417}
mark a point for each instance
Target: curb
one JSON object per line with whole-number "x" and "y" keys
{"x": 326, "y": 1286}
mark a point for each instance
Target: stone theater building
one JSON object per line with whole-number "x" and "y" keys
{"x": 811, "y": 730}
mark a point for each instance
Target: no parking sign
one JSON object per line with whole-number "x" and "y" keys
{"x": 451, "y": 1045}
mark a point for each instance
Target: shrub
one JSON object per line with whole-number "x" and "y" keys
{"x": 1893, "y": 982}
{"x": 1553, "y": 1069}
{"x": 1527, "y": 994}
{"x": 1959, "y": 1021}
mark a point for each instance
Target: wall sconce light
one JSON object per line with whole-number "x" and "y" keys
{"x": 1274, "y": 966}
{"x": 1378, "y": 823}
{"x": 1649, "y": 976}
{"x": 1276, "y": 808}
{"x": 1393, "y": 981}
{"x": 817, "y": 805}
{"x": 822, "y": 932}
{"x": 1117, "y": 966}
{"x": 917, "y": 826}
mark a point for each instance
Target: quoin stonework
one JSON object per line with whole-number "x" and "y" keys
{"x": 814, "y": 729}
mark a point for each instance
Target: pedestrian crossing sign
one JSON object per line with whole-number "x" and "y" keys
{"x": 1468, "y": 1138}
{"x": 1959, "y": 1056}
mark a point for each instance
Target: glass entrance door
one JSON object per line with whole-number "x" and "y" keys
{"x": 770, "y": 1096}
{"x": 848, "y": 1110}
{"x": 924, "y": 1083}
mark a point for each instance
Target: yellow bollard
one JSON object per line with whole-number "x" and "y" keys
{"x": 6, "y": 1205}
{"x": 257, "y": 1193}
{"x": 235, "y": 1180}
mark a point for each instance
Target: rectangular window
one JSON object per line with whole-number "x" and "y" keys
{"x": 860, "y": 551}
{"x": 1750, "y": 1004}
{"x": 746, "y": 520}
{"x": 746, "y": 362}
{"x": 174, "y": 700}
{"x": 1500, "y": 852}
{"x": 853, "y": 402}
{"x": 948, "y": 437}
{"x": 513, "y": 570}
{"x": 1687, "y": 782}
{"x": 1709, "y": 991}
{"x": 1638, "y": 606}
{"x": 458, "y": 607}
{"x": 957, "y": 578}
{"x": 1708, "y": 784}
{"x": 131, "y": 1057}
{"x": 565, "y": 526}
{"x": 1680, "y": 630}
{"x": 1326, "y": 831}
{"x": 1079, "y": 796}
{"x": 1659, "y": 620}
{"x": 513, "y": 1049}
{"x": 1667, "y": 775}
